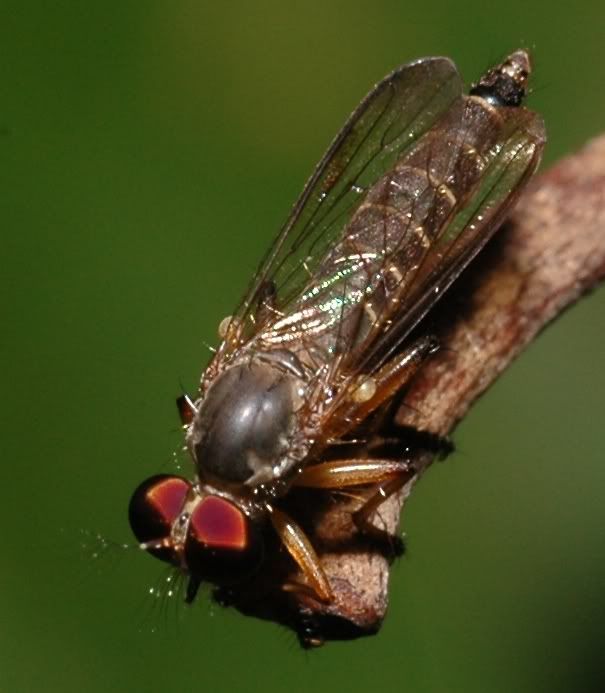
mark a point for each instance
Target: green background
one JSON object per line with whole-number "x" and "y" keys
{"x": 148, "y": 153}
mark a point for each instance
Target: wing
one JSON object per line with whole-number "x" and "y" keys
{"x": 417, "y": 228}
{"x": 388, "y": 123}
{"x": 476, "y": 162}
{"x": 411, "y": 189}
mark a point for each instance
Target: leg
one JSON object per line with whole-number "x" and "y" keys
{"x": 396, "y": 441}
{"x": 193, "y": 586}
{"x": 301, "y": 550}
{"x": 380, "y": 494}
{"x": 387, "y": 477}
{"x": 186, "y": 409}
{"x": 377, "y": 389}
{"x": 339, "y": 474}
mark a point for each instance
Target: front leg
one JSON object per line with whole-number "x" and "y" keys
{"x": 301, "y": 550}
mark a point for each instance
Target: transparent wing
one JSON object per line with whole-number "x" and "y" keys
{"x": 390, "y": 120}
{"x": 483, "y": 184}
{"x": 418, "y": 227}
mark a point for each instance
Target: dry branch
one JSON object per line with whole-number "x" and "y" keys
{"x": 550, "y": 252}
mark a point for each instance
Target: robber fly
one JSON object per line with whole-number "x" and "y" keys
{"x": 411, "y": 189}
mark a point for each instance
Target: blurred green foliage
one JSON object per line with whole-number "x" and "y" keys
{"x": 149, "y": 151}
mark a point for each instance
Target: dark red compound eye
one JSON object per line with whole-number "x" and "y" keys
{"x": 154, "y": 507}
{"x": 219, "y": 524}
{"x": 223, "y": 544}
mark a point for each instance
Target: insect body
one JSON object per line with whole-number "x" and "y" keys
{"x": 411, "y": 189}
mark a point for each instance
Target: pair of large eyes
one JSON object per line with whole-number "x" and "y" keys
{"x": 220, "y": 542}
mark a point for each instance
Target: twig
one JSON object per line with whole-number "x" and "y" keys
{"x": 550, "y": 252}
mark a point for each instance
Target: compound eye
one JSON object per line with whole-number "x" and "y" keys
{"x": 219, "y": 524}
{"x": 154, "y": 507}
{"x": 223, "y": 545}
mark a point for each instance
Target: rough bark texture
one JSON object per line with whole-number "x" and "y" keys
{"x": 549, "y": 253}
